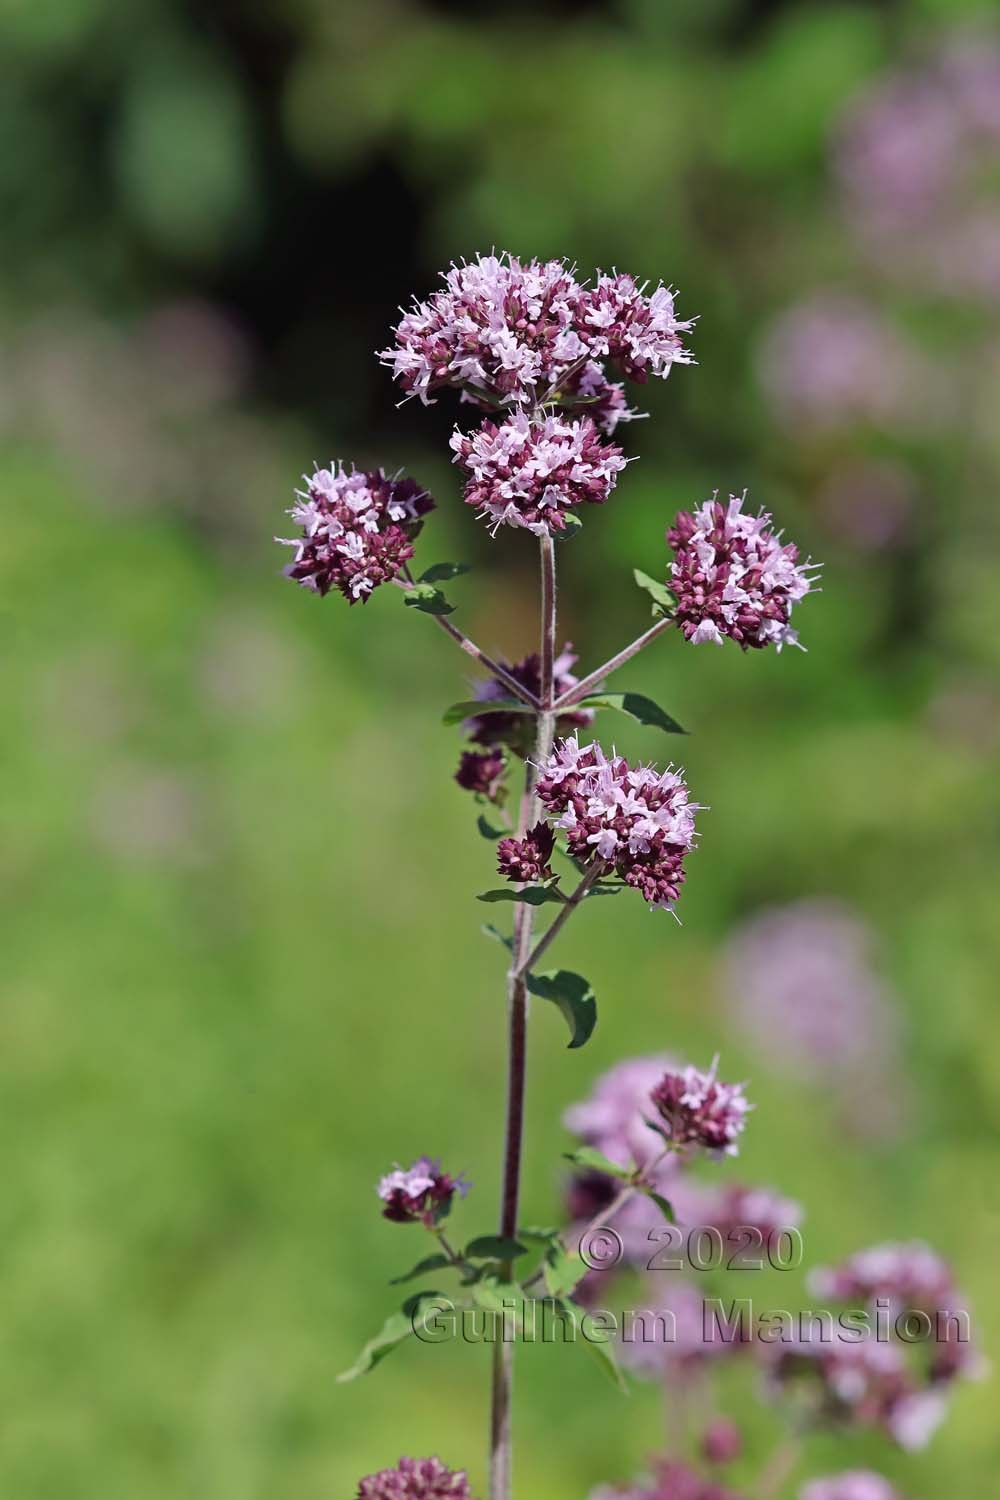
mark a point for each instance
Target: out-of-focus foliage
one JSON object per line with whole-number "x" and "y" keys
{"x": 242, "y": 964}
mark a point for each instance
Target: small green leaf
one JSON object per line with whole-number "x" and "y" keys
{"x": 605, "y": 888}
{"x": 538, "y": 1235}
{"x": 490, "y": 830}
{"x": 574, "y": 997}
{"x": 533, "y": 895}
{"x": 494, "y": 1247}
{"x": 473, "y": 708}
{"x": 430, "y": 1263}
{"x": 397, "y": 1327}
{"x": 498, "y": 1296}
{"x": 426, "y": 597}
{"x": 572, "y": 525}
{"x": 597, "y": 1350}
{"x": 663, "y": 1204}
{"x": 664, "y": 599}
{"x": 644, "y": 710}
{"x": 596, "y": 1161}
{"x": 494, "y": 932}
{"x": 441, "y": 572}
{"x": 563, "y": 1270}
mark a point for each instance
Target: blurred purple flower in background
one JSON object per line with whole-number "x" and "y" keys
{"x": 801, "y": 983}
{"x": 854, "y": 1484}
{"x": 832, "y": 361}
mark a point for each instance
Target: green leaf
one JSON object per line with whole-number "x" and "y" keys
{"x": 664, "y": 599}
{"x": 490, "y": 830}
{"x": 538, "y": 1235}
{"x": 430, "y": 1263}
{"x": 494, "y": 932}
{"x": 494, "y": 1247}
{"x": 562, "y": 1271}
{"x": 596, "y": 1161}
{"x": 598, "y": 1351}
{"x": 501, "y": 1297}
{"x": 441, "y": 572}
{"x": 426, "y": 597}
{"x": 398, "y": 1327}
{"x": 533, "y": 895}
{"x": 605, "y": 888}
{"x": 644, "y": 710}
{"x": 574, "y": 997}
{"x": 663, "y": 1204}
{"x": 473, "y": 708}
{"x": 572, "y": 526}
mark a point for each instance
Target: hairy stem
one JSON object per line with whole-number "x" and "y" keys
{"x": 517, "y": 1046}
{"x": 594, "y": 679}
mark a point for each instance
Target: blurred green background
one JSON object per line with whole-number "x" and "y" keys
{"x": 242, "y": 968}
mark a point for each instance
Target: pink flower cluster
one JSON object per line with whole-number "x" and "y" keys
{"x": 416, "y": 1479}
{"x": 419, "y": 1193}
{"x": 515, "y": 332}
{"x": 637, "y": 821}
{"x": 698, "y": 1111}
{"x": 527, "y": 860}
{"x": 853, "y": 1484}
{"x": 358, "y": 529}
{"x": 531, "y": 472}
{"x": 733, "y": 577}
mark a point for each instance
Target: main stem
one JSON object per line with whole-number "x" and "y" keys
{"x": 517, "y": 1052}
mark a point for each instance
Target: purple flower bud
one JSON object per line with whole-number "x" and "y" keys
{"x": 530, "y": 473}
{"x": 732, "y": 576}
{"x": 420, "y": 1193}
{"x": 482, "y": 773}
{"x": 527, "y": 860}
{"x": 699, "y": 1111}
{"x": 358, "y": 530}
{"x": 416, "y": 1479}
{"x": 637, "y": 821}
{"x": 722, "y": 1441}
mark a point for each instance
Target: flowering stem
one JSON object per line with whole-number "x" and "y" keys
{"x": 778, "y": 1468}
{"x": 471, "y": 649}
{"x": 517, "y": 1020}
{"x": 594, "y": 679}
{"x": 567, "y": 911}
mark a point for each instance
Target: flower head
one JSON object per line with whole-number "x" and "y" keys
{"x": 515, "y": 332}
{"x": 722, "y": 1441}
{"x": 853, "y": 1484}
{"x": 733, "y": 576}
{"x": 358, "y": 529}
{"x": 420, "y": 1193}
{"x": 527, "y": 859}
{"x": 637, "y": 821}
{"x": 697, "y": 1110}
{"x": 416, "y": 1479}
{"x": 672, "y": 1481}
{"x": 639, "y": 333}
{"x": 531, "y": 472}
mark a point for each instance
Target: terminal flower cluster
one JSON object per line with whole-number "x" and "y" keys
{"x": 422, "y": 1193}
{"x": 733, "y": 576}
{"x": 510, "y": 332}
{"x": 637, "y": 821}
{"x": 357, "y": 530}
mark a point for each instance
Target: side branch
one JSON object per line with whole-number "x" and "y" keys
{"x": 595, "y": 679}
{"x": 572, "y": 902}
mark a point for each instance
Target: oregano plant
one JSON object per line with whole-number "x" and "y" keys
{"x": 539, "y": 361}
